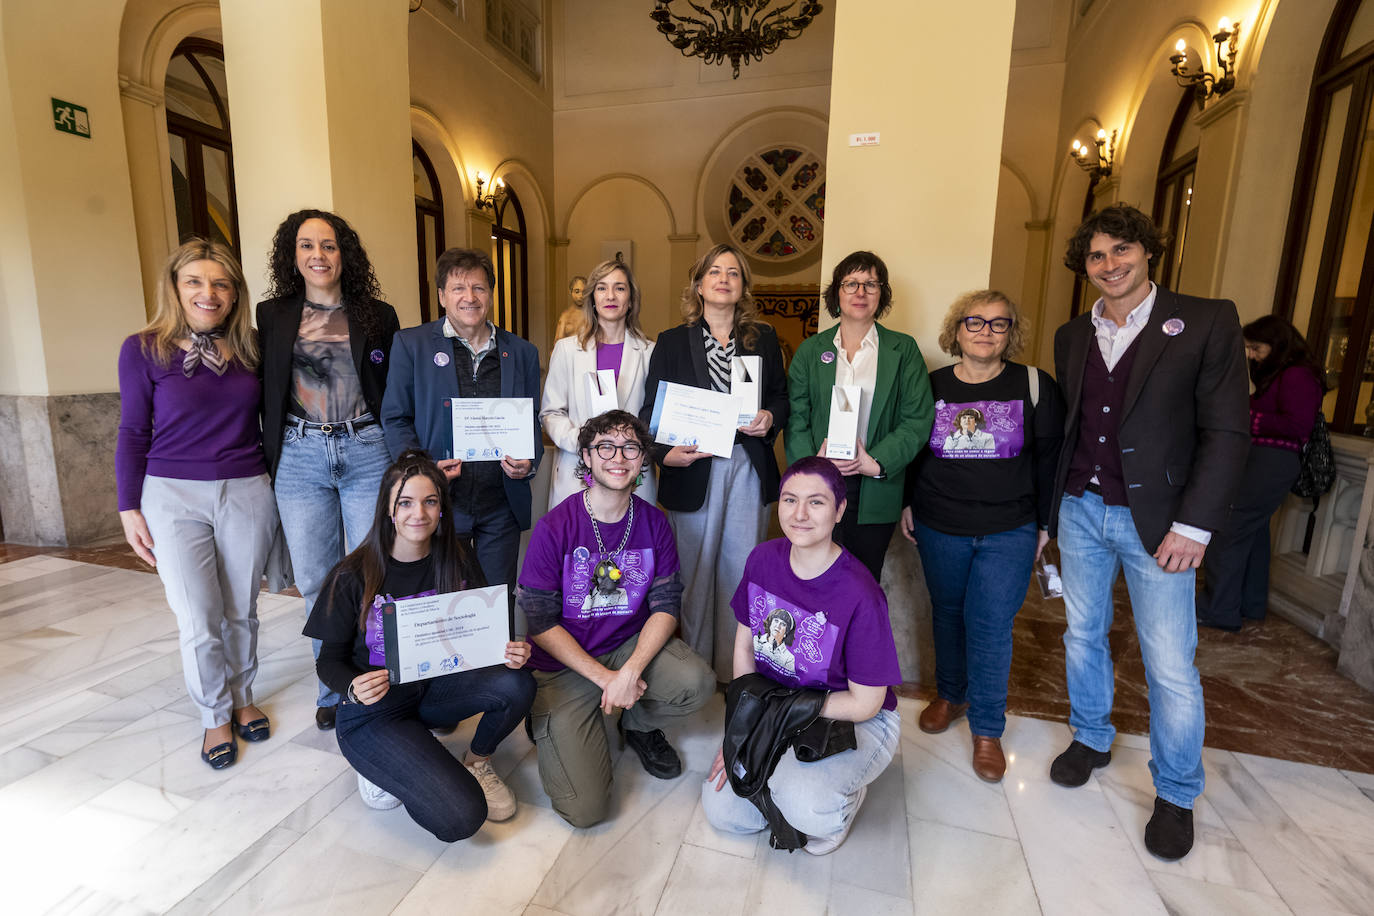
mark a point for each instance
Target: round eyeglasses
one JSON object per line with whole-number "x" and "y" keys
{"x": 974, "y": 323}
{"x": 869, "y": 286}
{"x": 606, "y": 450}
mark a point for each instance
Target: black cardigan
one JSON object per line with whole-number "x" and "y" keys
{"x": 680, "y": 356}
{"x": 279, "y": 321}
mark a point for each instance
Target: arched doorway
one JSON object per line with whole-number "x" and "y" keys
{"x": 1174, "y": 189}
{"x": 429, "y": 225}
{"x": 509, "y": 252}
{"x": 1326, "y": 279}
{"x": 197, "y": 101}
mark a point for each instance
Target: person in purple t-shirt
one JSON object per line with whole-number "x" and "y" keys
{"x": 811, "y": 615}
{"x": 602, "y": 593}
{"x": 194, "y": 497}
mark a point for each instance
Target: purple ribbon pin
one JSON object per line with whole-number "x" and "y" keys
{"x": 376, "y": 356}
{"x": 828, "y": 357}
{"x": 1173, "y": 327}
{"x": 441, "y": 359}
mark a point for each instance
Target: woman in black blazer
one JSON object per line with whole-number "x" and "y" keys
{"x": 326, "y": 339}
{"x": 718, "y": 506}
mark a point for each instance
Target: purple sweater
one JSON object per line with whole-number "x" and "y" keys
{"x": 204, "y": 427}
{"x": 1282, "y": 416}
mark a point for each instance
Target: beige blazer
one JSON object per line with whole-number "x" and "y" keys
{"x": 566, "y": 407}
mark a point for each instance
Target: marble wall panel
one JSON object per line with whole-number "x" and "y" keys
{"x": 57, "y": 468}
{"x": 1357, "y": 642}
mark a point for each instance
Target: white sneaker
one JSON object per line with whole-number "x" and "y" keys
{"x": 376, "y": 797}
{"x": 820, "y": 846}
{"x": 500, "y": 799}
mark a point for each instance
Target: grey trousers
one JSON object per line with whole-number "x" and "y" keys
{"x": 712, "y": 545}
{"x": 211, "y": 539}
{"x": 570, "y": 736}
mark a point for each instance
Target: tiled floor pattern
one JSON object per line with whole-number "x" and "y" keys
{"x": 105, "y": 807}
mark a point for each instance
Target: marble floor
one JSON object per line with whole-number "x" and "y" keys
{"x": 107, "y": 808}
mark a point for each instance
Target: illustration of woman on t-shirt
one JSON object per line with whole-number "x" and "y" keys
{"x": 968, "y": 433}
{"x": 779, "y": 629}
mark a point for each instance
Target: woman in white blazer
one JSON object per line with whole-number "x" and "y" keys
{"x": 610, "y": 339}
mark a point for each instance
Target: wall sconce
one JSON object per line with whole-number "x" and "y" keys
{"x": 1204, "y": 84}
{"x": 1099, "y": 166}
{"x": 492, "y": 200}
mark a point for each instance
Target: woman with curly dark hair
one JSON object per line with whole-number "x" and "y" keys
{"x": 1289, "y": 386}
{"x": 326, "y": 339}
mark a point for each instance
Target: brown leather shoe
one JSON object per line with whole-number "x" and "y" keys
{"x": 988, "y": 761}
{"x": 936, "y": 717}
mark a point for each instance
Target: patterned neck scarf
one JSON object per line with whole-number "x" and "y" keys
{"x": 203, "y": 350}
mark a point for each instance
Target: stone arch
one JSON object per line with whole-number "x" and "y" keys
{"x": 612, "y": 176}
{"x": 144, "y": 53}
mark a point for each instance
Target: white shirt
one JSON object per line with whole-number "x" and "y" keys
{"x": 478, "y": 352}
{"x": 863, "y": 371}
{"x": 1112, "y": 341}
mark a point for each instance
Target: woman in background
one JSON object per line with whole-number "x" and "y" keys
{"x": 326, "y": 339}
{"x": 609, "y": 337}
{"x": 1289, "y": 385}
{"x": 194, "y": 496}
{"x": 718, "y": 507}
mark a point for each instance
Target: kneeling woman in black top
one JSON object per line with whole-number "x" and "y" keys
{"x": 384, "y": 728}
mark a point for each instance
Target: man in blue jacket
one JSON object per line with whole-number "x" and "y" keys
{"x": 464, "y": 355}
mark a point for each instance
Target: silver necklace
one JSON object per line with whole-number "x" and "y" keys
{"x": 607, "y": 573}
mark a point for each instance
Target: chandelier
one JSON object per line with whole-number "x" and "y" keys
{"x": 739, "y": 30}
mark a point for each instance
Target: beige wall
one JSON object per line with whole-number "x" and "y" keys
{"x": 69, "y": 283}
{"x": 923, "y": 203}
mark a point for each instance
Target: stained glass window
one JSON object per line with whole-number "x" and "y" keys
{"x": 775, "y": 207}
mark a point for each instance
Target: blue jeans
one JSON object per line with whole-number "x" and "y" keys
{"x": 818, "y": 798}
{"x": 976, "y": 584}
{"x": 326, "y": 496}
{"x": 1095, "y": 542}
{"x": 390, "y": 745}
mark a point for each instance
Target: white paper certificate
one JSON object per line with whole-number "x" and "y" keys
{"x": 440, "y": 634}
{"x": 684, "y": 415}
{"x": 489, "y": 429}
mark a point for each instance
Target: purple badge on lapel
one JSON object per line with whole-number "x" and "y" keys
{"x": 1173, "y": 327}
{"x": 441, "y": 359}
{"x": 828, "y": 357}
{"x": 376, "y": 356}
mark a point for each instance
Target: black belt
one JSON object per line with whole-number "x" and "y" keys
{"x": 300, "y": 424}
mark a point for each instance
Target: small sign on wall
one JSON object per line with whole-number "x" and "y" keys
{"x": 71, "y": 119}
{"x": 869, "y": 139}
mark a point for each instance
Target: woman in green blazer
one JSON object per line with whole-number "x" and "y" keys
{"x": 895, "y": 412}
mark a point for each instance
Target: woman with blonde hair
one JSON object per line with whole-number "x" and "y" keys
{"x": 978, "y": 509}
{"x": 194, "y": 497}
{"x": 609, "y": 338}
{"x": 718, "y": 507}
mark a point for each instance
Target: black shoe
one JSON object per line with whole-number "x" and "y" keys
{"x": 325, "y": 715}
{"x": 654, "y": 752}
{"x": 257, "y": 730}
{"x": 1169, "y": 834}
{"x": 221, "y": 755}
{"x": 1073, "y": 767}
{"x": 1215, "y": 625}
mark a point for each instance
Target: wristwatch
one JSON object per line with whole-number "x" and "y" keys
{"x": 353, "y": 697}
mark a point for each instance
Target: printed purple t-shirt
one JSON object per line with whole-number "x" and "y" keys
{"x": 562, "y": 556}
{"x": 978, "y": 429}
{"x": 822, "y": 632}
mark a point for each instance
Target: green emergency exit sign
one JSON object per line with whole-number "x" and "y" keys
{"x": 71, "y": 119}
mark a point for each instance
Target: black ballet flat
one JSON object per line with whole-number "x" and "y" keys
{"x": 221, "y": 755}
{"x": 257, "y": 730}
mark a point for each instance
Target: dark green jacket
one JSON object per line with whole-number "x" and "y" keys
{"x": 898, "y": 425}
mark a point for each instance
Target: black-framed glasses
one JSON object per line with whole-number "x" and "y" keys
{"x": 852, "y": 286}
{"x": 630, "y": 450}
{"x": 974, "y": 323}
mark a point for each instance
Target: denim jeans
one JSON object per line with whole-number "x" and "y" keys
{"x": 390, "y": 745}
{"x": 817, "y": 798}
{"x": 976, "y": 584}
{"x": 326, "y": 494}
{"x": 1095, "y": 542}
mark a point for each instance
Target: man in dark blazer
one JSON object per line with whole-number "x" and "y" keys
{"x": 1155, "y": 440}
{"x": 463, "y": 354}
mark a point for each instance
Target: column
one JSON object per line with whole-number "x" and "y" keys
{"x": 682, "y": 255}
{"x": 321, "y": 118}
{"x": 1222, "y": 128}
{"x": 923, "y": 196}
